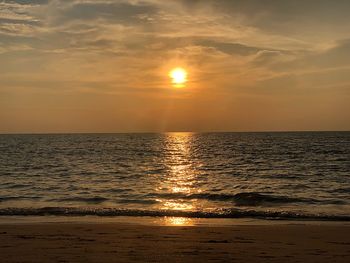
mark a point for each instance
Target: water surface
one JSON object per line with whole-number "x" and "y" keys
{"x": 263, "y": 175}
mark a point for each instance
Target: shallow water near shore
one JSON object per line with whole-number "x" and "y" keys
{"x": 159, "y": 221}
{"x": 301, "y": 175}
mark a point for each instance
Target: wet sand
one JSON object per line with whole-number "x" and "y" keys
{"x": 116, "y": 242}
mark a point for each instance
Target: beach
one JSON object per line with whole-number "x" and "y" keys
{"x": 134, "y": 242}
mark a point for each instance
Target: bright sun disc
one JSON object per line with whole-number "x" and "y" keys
{"x": 178, "y": 76}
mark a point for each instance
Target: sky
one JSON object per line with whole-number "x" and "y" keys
{"x": 103, "y": 65}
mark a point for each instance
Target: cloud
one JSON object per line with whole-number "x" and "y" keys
{"x": 19, "y": 18}
{"x": 11, "y": 10}
{"x": 334, "y": 57}
{"x": 26, "y": 2}
{"x": 115, "y": 11}
{"x": 224, "y": 36}
{"x": 231, "y": 48}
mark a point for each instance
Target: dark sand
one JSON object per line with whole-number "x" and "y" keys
{"x": 116, "y": 242}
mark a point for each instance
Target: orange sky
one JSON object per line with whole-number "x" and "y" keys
{"x": 102, "y": 66}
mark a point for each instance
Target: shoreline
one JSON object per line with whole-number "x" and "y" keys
{"x": 162, "y": 221}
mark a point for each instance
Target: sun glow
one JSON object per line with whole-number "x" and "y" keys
{"x": 178, "y": 76}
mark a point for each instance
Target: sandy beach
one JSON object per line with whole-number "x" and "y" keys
{"x": 122, "y": 242}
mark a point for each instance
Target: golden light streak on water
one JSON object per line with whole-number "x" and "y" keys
{"x": 178, "y": 221}
{"x": 182, "y": 175}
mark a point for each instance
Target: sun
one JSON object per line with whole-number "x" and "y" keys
{"x": 178, "y": 76}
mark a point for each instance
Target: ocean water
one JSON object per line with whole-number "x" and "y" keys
{"x": 301, "y": 175}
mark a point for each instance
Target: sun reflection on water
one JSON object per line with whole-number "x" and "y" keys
{"x": 179, "y": 183}
{"x": 178, "y": 221}
{"x": 176, "y": 205}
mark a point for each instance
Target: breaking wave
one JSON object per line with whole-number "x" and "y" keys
{"x": 222, "y": 213}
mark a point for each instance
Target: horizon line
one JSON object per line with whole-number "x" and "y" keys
{"x": 160, "y": 132}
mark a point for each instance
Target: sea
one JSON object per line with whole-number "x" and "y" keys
{"x": 264, "y": 175}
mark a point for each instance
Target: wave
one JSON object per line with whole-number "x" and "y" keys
{"x": 241, "y": 199}
{"x": 17, "y": 186}
{"x": 99, "y": 200}
{"x": 223, "y": 213}
{"x": 247, "y": 199}
{"x": 13, "y": 198}
{"x": 89, "y": 200}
